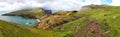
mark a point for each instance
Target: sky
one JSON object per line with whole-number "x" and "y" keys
{"x": 74, "y": 4}
{"x": 54, "y": 5}
{"x": 106, "y": 1}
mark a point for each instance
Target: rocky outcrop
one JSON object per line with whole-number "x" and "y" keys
{"x": 47, "y": 12}
{"x": 48, "y": 22}
{"x": 56, "y": 19}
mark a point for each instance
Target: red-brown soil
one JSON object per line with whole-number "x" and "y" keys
{"x": 93, "y": 27}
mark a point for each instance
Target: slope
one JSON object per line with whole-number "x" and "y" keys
{"x": 13, "y": 30}
{"x": 108, "y": 20}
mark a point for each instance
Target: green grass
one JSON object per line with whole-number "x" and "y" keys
{"x": 108, "y": 14}
{"x": 70, "y": 28}
{"x": 13, "y": 30}
{"x": 105, "y": 14}
{"x": 31, "y": 13}
{"x": 112, "y": 23}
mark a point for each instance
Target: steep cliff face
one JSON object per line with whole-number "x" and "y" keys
{"x": 58, "y": 18}
{"x": 61, "y": 17}
{"x": 50, "y": 21}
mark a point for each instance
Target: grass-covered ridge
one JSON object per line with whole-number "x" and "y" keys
{"x": 13, "y": 30}
{"x": 108, "y": 19}
{"x": 27, "y": 13}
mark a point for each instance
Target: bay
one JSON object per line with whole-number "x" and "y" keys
{"x": 18, "y": 19}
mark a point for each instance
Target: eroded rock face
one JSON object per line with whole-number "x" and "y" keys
{"x": 49, "y": 22}
{"x": 42, "y": 25}
{"x": 47, "y": 12}
{"x": 56, "y": 19}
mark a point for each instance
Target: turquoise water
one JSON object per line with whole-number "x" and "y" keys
{"x": 18, "y": 20}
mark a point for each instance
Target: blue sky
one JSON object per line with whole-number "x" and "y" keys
{"x": 54, "y": 5}
{"x": 83, "y": 0}
{"x": 102, "y": 1}
{"x": 106, "y": 1}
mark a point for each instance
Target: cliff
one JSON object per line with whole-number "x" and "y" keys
{"x": 56, "y": 19}
{"x": 31, "y": 13}
{"x": 96, "y": 20}
{"x": 68, "y": 24}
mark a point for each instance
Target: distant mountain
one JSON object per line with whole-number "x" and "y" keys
{"x": 27, "y": 13}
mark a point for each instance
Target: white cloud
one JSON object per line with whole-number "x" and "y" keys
{"x": 88, "y": 2}
{"x": 115, "y": 2}
{"x": 54, "y": 5}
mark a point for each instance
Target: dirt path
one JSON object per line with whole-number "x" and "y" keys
{"x": 93, "y": 27}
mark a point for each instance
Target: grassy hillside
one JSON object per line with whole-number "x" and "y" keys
{"x": 108, "y": 19}
{"x": 13, "y": 30}
{"x": 107, "y": 16}
{"x": 30, "y": 13}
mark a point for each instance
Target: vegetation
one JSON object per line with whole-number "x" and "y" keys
{"x": 56, "y": 19}
{"x": 108, "y": 19}
{"x": 30, "y": 13}
{"x": 67, "y": 23}
{"x": 13, "y": 30}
